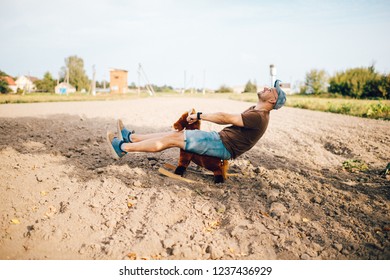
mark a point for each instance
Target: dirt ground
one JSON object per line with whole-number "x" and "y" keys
{"x": 63, "y": 197}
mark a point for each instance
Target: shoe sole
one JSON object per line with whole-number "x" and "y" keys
{"x": 119, "y": 128}
{"x": 109, "y": 141}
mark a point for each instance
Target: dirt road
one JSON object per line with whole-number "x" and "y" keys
{"x": 63, "y": 197}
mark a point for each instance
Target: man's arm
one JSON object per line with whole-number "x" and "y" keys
{"x": 218, "y": 118}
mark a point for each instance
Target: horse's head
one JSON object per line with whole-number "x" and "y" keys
{"x": 182, "y": 123}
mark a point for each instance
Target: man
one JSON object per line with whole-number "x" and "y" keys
{"x": 232, "y": 141}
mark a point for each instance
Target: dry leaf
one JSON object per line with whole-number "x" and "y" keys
{"x": 132, "y": 256}
{"x": 15, "y": 221}
{"x": 129, "y": 204}
{"x": 264, "y": 214}
{"x": 156, "y": 257}
{"x": 213, "y": 226}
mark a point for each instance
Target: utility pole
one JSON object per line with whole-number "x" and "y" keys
{"x": 184, "y": 82}
{"x": 93, "y": 87}
{"x": 67, "y": 80}
{"x": 139, "y": 79}
{"x": 204, "y": 80}
{"x": 147, "y": 84}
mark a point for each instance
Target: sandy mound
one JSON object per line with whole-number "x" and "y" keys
{"x": 63, "y": 197}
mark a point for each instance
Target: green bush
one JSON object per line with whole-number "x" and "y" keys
{"x": 224, "y": 89}
{"x": 363, "y": 82}
{"x": 250, "y": 87}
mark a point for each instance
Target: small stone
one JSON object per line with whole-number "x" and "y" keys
{"x": 137, "y": 183}
{"x": 277, "y": 209}
{"x": 82, "y": 250}
{"x": 305, "y": 257}
{"x": 168, "y": 243}
{"x": 215, "y": 252}
{"x": 338, "y": 247}
{"x": 316, "y": 199}
{"x": 272, "y": 199}
{"x": 345, "y": 251}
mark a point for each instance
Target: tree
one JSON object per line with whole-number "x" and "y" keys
{"x": 362, "y": 82}
{"x": 4, "y": 88}
{"x": 77, "y": 76}
{"x": 250, "y": 87}
{"x": 47, "y": 84}
{"x": 316, "y": 82}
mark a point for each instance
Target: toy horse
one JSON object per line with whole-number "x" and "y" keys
{"x": 216, "y": 165}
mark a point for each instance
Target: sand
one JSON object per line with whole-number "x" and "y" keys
{"x": 63, "y": 197}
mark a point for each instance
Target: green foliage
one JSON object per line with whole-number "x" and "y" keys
{"x": 355, "y": 165}
{"x": 363, "y": 82}
{"x": 2, "y": 74}
{"x": 372, "y": 109}
{"x": 4, "y": 88}
{"x": 378, "y": 109}
{"x": 47, "y": 84}
{"x": 77, "y": 76}
{"x": 103, "y": 83}
{"x": 250, "y": 87}
{"x": 224, "y": 89}
{"x": 164, "y": 88}
{"x": 315, "y": 82}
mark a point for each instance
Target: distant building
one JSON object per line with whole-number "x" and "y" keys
{"x": 64, "y": 88}
{"x": 11, "y": 83}
{"x": 286, "y": 87}
{"x": 118, "y": 81}
{"x": 26, "y": 83}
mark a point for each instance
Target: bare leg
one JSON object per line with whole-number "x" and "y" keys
{"x": 159, "y": 142}
{"x": 142, "y": 137}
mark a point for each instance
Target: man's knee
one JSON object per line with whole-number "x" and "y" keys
{"x": 177, "y": 138}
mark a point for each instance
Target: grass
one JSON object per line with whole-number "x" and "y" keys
{"x": 50, "y": 97}
{"x": 374, "y": 109}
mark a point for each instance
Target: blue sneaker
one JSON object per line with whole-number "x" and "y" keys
{"x": 123, "y": 132}
{"x": 115, "y": 145}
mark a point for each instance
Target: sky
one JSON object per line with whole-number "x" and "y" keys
{"x": 195, "y": 43}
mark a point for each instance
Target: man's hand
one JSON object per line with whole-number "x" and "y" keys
{"x": 192, "y": 118}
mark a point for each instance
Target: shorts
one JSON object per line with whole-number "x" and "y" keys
{"x": 205, "y": 143}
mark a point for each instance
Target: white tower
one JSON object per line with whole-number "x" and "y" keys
{"x": 272, "y": 72}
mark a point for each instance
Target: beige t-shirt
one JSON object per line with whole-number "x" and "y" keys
{"x": 238, "y": 140}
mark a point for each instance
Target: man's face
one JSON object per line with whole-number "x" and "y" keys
{"x": 267, "y": 94}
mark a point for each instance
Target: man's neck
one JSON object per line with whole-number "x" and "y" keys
{"x": 261, "y": 106}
